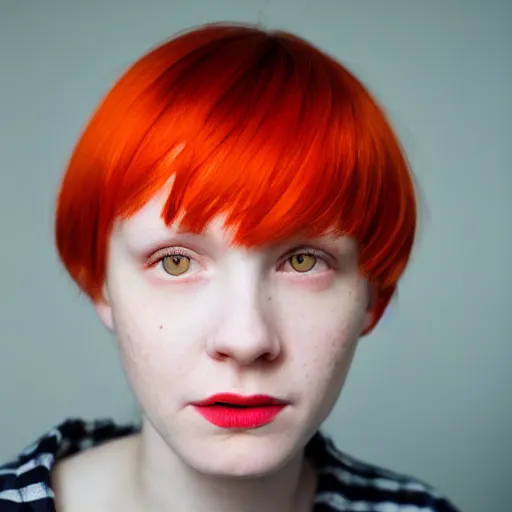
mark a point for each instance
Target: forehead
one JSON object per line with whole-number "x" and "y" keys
{"x": 146, "y": 228}
{"x": 148, "y": 223}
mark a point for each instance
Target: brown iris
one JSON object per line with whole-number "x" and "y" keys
{"x": 303, "y": 262}
{"x": 175, "y": 264}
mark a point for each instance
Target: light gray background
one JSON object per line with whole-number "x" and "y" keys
{"x": 429, "y": 393}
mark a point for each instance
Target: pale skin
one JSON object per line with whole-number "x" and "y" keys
{"x": 210, "y": 317}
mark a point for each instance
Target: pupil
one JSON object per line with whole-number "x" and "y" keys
{"x": 176, "y": 260}
{"x": 300, "y": 259}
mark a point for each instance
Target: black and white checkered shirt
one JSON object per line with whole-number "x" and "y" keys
{"x": 344, "y": 483}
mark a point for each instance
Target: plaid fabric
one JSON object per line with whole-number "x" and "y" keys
{"x": 345, "y": 484}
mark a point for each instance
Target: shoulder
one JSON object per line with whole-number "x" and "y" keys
{"x": 94, "y": 479}
{"x": 27, "y": 479}
{"x": 348, "y": 483}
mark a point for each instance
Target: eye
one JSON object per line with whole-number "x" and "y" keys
{"x": 306, "y": 260}
{"x": 303, "y": 262}
{"x": 175, "y": 264}
{"x": 174, "y": 261}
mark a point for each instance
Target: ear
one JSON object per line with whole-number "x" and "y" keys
{"x": 370, "y": 308}
{"x": 103, "y": 309}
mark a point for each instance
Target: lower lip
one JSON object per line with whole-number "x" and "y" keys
{"x": 225, "y": 416}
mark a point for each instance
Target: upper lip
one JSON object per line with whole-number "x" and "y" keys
{"x": 234, "y": 399}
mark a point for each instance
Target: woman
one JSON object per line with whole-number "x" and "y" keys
{"x": 239, "y": 212}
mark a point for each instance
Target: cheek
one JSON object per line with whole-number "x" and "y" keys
{"x": 146, "y": 355}
{"x": 321, "y": 333}
{"x": 323, "y": 320}
{"x": 327, "y": 355}
{"x": 159, "y": 337}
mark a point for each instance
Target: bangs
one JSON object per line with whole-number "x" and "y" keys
{"x": 257, "y": 143}
{"x": 260, "y": 127}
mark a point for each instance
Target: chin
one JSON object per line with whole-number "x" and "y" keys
{"x": 240, "y": 454}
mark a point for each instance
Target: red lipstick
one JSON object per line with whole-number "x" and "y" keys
{"x": 227, "y": 410}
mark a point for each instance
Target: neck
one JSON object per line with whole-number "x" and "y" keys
{"x": 166, "y": 483}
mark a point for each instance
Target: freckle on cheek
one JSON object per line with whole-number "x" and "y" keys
{"x": 161, "y": 327}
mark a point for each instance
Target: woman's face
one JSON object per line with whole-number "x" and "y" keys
{"x": 196, "y": 316}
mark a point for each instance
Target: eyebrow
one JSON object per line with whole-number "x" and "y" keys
{"x": 336, "y": 242}
{"x": 145, "y": 239}
{"x": 142, "y": 239}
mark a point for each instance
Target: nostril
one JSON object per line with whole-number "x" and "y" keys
{"x": 221, "y": 356}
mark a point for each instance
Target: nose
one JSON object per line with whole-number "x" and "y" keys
{"x": 245, "y": 333}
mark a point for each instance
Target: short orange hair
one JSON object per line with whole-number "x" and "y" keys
{"x": 273, "y": 132}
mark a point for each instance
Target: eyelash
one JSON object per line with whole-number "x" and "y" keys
{"x": 307, "y": 251}
{"x": 159, "y": 255}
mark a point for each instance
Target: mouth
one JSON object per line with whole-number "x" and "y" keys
{"x": 233, "y": 400}
{"x": 232, "y": 411}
